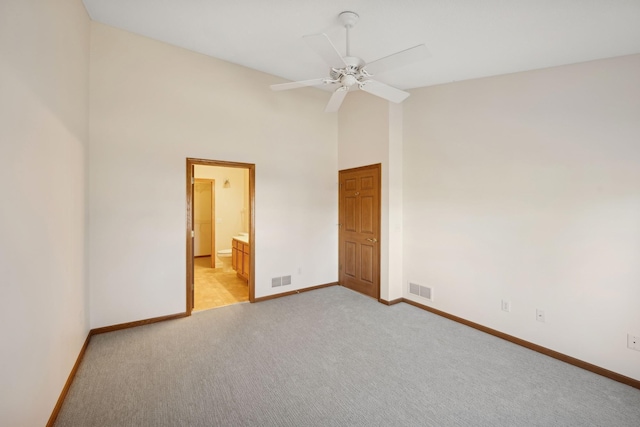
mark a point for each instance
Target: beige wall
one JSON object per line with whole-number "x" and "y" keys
{"x": 44, "y": 64}
{"x": 526, "y": 187}
{"x": 152, "y": 106}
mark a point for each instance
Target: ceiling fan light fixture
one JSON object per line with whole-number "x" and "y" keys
{"x": 348, "y": 80}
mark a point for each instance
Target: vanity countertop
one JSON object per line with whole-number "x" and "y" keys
{"x": 244, "y": 239}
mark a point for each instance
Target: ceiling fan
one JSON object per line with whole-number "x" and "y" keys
{"x": 350, "y": 72}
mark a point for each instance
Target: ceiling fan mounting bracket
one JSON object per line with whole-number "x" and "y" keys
{"x": 348, "y": 19}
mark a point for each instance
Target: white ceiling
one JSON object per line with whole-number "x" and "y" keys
{"x": 467, "y": 38}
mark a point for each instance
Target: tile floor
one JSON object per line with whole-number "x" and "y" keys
{"x": 217, "y": 287}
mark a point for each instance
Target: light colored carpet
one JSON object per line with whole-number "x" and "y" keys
{"x": 331, "y": 357}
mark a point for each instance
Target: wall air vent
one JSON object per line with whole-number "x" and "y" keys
{"x": 425, "y": 292}
{"x": 414, "y": 289}
{"x": 276, "y": 281}
{"x": 286, "y": 280}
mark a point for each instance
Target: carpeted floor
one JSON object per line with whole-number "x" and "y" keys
{"x": 331, "y": 357}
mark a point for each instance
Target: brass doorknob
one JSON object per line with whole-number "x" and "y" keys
{"x": 373, "y": 240}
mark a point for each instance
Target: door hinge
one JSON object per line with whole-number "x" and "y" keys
{"x": 193, "y": 233}
{"x": 339, "y": 225}
{"x": 193, "y": 180}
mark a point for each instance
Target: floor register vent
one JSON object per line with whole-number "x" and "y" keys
{"x": 422, "y": 291}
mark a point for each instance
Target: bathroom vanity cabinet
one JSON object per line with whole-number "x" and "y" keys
{"x": 240, "y": 258}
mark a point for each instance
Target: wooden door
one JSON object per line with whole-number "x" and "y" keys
{"x": 204, "y": 208}
{"x": 359, "y": 230}
{"x": 202, "y": 218}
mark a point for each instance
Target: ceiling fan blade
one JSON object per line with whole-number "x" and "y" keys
{"x": 336, "y": 100}
{"x": 296, "y": 85}
{"x": 382, "y": 90}
{"x": 398, "y": 59}
{"x": 323, "y": 47}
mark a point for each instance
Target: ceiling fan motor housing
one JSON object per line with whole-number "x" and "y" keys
{"x": 351, "y": 74}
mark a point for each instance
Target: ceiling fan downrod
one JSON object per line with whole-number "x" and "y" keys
{"x": 348, "y": 20}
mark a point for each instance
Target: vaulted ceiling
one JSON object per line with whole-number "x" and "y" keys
{"x": 466, "y": 39}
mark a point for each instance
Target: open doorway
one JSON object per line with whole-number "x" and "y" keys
{"x": 220, "y": 243}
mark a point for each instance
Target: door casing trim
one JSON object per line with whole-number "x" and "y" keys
{"x": 189, "y": 222}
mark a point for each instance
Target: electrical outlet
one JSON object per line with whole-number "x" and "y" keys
{"x": 506, "y": 306}
{"x": 540, "y": 315}
{"x": 633, "y": 342}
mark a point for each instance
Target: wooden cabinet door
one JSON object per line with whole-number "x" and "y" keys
{"x": 245, "y": 262}
{"x": 234, "y": 256}
{"x": 359, "y": 232}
